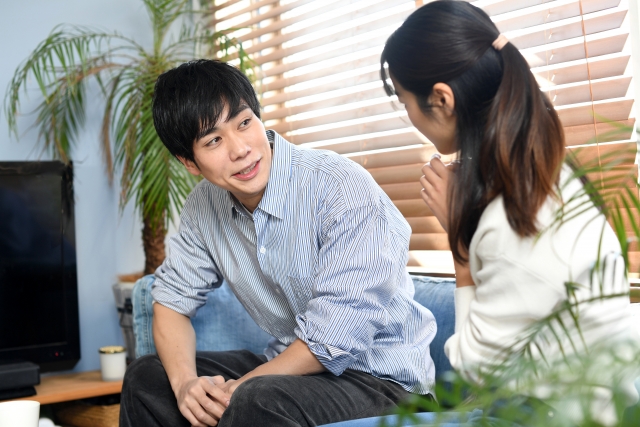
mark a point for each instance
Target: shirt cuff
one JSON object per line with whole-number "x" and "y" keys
{"x": 334, "y": 359}
{"x": 463, "y": 297}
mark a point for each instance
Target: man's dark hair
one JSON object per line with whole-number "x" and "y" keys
{"x": 189, "y": 100}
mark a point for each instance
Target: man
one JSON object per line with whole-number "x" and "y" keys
{"x": 313, "y": 249}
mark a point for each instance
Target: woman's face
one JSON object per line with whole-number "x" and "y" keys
{"x": 439, "y": 124}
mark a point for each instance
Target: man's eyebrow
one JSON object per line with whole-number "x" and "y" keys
{"x": 233, "y": 114}
{"x": 206, "y": 131}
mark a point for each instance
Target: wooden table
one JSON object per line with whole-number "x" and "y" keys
{"x": 81, "y": 385}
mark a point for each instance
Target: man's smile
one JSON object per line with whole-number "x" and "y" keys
{"x": 249, "y": 172}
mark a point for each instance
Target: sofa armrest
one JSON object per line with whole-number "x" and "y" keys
{"x": 143, "y": 316}
{"x": 221, "y": 324}
{"x": 437, "y": 295}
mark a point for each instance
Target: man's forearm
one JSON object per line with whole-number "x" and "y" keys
{"x": 175, "y": 341}
{"x": 297, "y": 359}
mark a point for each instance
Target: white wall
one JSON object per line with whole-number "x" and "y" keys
{"x": 107, "y": 243}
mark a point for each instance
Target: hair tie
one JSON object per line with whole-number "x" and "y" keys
{"x": 499, "y": 43}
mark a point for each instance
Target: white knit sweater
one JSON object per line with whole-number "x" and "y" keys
{"x": 521, "y": 280}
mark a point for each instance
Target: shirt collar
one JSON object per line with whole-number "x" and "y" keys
{"x": 275, "y": 194}
{"x": 238, "y": 208}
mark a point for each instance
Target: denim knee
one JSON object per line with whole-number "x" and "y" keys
{"x": 141, "y": 370}
{"x": 262, "y": 392}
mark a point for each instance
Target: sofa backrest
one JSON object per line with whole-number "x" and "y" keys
{"x": 223, "y": 323}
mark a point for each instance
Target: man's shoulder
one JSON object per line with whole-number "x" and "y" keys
{"x": 203, "y": 189}
{"x": 202, "y": 195}
{"x": 338, "y": 175}
{"x": 330, "y": 164}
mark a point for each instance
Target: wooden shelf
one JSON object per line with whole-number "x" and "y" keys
{"x": 81, "y": 385}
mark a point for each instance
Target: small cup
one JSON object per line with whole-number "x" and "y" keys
{"x": 20, "y": 413}
{"x": 113, "y": 362}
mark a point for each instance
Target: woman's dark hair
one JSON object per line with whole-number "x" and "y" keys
{"x": 189, "y": 100}
{"x": 509, "y": 137}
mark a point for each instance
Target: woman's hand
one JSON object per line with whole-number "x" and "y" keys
{"x": 435, "y": 191}
{"x": 435, "y": 185}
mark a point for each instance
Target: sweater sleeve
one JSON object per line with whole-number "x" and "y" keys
{"x": 513, "y": 288}
{"x": 488, "y": 318}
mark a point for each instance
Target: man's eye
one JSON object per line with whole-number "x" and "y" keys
{"x": 245, "y": 123}
{"x": 214, "y": 141}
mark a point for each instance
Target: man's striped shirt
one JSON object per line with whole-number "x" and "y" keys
{"x": 322, "y": 258}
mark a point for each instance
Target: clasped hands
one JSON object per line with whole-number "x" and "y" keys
{"x": 435, "y": 192}
{"x": 435, "y": 187}
{"x": 203, "y": 400}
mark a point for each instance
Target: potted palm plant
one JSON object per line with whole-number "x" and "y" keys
{"x": 71, "y": 56}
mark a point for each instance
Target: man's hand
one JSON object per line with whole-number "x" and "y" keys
{"x": 202, "y": 400}
{"x": 230, "y": 386}
{"x": 435, "y": 188}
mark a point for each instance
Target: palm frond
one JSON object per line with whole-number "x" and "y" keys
{"x": 60, "y": 66}
{"x": 163, "y": 14}
{"x": 125, "y": 72}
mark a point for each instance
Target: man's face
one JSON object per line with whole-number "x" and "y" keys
{"x": 236, "y": 156}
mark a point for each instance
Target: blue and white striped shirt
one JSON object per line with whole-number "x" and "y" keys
{"x": 322, "y": 258}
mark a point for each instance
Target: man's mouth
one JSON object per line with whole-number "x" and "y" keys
{"x": 249, "y": 172}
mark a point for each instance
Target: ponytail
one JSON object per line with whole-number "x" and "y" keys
{"x": 510, "y": 139}
{"x": 524, "y": 144}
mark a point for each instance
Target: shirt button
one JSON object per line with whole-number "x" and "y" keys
{"x": 263, "y": 250}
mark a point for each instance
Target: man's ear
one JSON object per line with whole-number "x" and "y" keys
{"x": 190, "y": 165}
{"x": 442, "y": 97}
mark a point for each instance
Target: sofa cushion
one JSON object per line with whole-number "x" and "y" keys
{"x": 223, "y": 323}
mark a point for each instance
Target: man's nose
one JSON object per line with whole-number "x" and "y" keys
{"x": 238, "y": 148}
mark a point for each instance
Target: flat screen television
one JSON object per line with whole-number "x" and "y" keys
{"x": 38, "y": 280}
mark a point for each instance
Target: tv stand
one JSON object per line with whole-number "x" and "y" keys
{"x": 17, "y": 378}
{"x": 79, "y": 385}
{"x": 15, "y": 393}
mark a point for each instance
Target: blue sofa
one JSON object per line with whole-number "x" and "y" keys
{"x": 223, "y": 324}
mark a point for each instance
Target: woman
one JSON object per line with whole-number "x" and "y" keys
{"x": 470, "y": 91}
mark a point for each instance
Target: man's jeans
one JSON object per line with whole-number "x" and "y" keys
{"x": 275, "y": 400}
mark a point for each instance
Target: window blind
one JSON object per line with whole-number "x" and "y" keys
{"x": 319, "y": 84}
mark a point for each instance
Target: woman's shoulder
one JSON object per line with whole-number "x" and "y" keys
{"x": 493, "y": 236}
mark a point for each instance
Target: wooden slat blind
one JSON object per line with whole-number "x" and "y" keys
{"x": 320, "y": 85}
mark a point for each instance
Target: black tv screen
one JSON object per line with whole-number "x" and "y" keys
{"x": 38, "y": 279}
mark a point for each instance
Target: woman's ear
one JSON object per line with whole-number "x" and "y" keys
{"x": 442, "y": 97}
{"x": 190, "y": 165}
